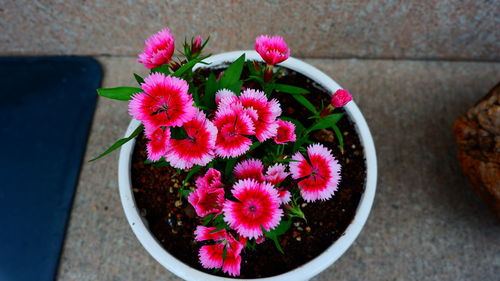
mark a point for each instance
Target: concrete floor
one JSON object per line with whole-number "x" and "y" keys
{"x": 425, "y": 223}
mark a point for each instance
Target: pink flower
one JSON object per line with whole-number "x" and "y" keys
{"x": 208, "y": 197}
{"x": 262, "y": 112}
{"x": 249, "y": 169}
{"x": 285, "y": 132}
{"x": 158, "y": 142}
{"x": 196, "y": 45}
{"x": 340, "y": 98}
{"x": 211, "y": 179}
{"x": 212, "y": 256}
{"x": 276, "y": 174}
{"x": 198, "y": 147}
{"x": 234, "y": 126}
{"x": 158, "y": 50}
{"x": 164, "y": 102}
{"x": 224, "y": 93}
{"x": 257, "y": 208}
{"x": 319, "y": 173}
{"x": 284, "y": 196}
{"x": 272, "y": 49}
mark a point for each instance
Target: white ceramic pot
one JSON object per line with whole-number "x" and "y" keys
{"x": 304, "y": 272}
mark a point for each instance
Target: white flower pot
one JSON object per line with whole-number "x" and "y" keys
{"x": 304, "y": 272}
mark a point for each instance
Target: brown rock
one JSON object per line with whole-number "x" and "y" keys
{"x": 478, "y": 143}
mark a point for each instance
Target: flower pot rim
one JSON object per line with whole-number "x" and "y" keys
{"x": 303, "y": 272}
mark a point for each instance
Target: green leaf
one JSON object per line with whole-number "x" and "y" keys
{"x": 279, "y": 230}
{"x": 338, "y": 133}
{"x": 208, "y": 218}
{"x": 185, "y": 192}
{"x": 302, "y": 100}
{"x": 290, "y": 89}
{"x": 251, "y": 68}
{"x": 178, "y": 133}
{"x": 231, "y": 162}
{"x": 210, "y": 89}
{"x": 236, "y": 87}
{"x": 325, "y": 122}
{"x": 161, "y": 69}
{"x": 191, "y": 173}
{"x": 119, "y": 93}
{"x": 188, "y": 66}
{"x": 139, "y": 79}
{"x": 233, "y": 73}
{"x": 120, "y": 142}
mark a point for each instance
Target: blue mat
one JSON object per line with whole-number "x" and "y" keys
{"x": 46, "y": 108}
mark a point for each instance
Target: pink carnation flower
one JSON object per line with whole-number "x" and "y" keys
{"x": 222, "y": 94}
{"x": 257, "y": 208}
{"x": 285, "y": 132}
{"x": 276, "y": 174}
{"x": 198, "y": 147}
{"x": 262, "y": 112}
{"x": 158, "y": 142}
{"x": 272, "y": 49}
{"x": 234, "y": 126}
{"x": 340, "y": 98}
{"x": 319, "y": 173}
{"x": 211, "y": 179}
{"x": 249, "y": 169}
{"x": 164, "y": 102}
{"x": 284, "y": 196}
{"x": 208, "y": 197}
{"x": 212, "y": 256}
{"x": 158, "y": 50}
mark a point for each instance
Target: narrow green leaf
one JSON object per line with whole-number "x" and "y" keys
{"x": 139, "y": 79}
{"x": 233, "y": 73}
{"x": 161, "y": 69}
{"x": 290, "y": 89}
{"x": 251, "y": 68}
{"x": 208, "y": 218}
{"x": 325, "y": 122}
{"x": 188, "y": 66}
{"x": 231, "y": 162}
{"x": 302, "y": 100}
{"x": 120, "y": 142}
{"x": 338, "y": 133}
{"x": 185, "y": 192}
{"x": 119, "y": 93}
{"x": 191, "y": 172}
{"x": 236, "y": 87}
{"x": 210, "y": 89}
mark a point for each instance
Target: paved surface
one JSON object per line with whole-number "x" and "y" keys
{"x": 425, "y": 223}
{"x": 444, "y": 29}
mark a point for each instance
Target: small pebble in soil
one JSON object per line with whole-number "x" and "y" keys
{"x": 308, "y": 229}
{"x": 300, "y": 228}
{"x": 171, "y": 190}
{"x": 298, "y": 238}
{"x": 346, "y": 133}
{"x": 135, "y": 190}
{"x": 178, "y": 203}
{"x": 303, "y": 205}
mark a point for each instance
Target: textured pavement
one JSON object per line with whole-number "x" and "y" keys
{"x": 431, "y": 29}
{"x": 425, "y": 223}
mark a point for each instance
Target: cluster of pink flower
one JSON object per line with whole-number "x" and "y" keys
{"x": 258, "y": 199}
{"x": 166, "y": 103}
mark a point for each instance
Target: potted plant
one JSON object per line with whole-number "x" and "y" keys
{"x": 248, "y": 164}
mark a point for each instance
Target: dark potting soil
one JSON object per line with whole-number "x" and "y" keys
{"x": 172, "y": 220}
